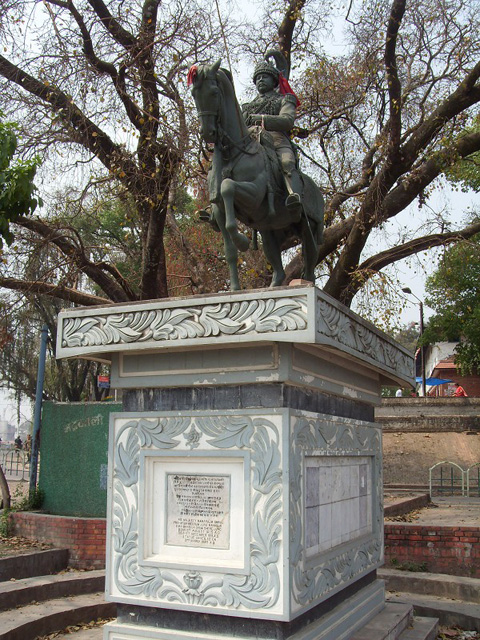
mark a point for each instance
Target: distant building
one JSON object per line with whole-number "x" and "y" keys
{"x": 440, "y": 363}
{"x": 7, "y": 431}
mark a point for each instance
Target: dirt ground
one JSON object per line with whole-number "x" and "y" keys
{"x": 407, "y": 457}
{"x": 16, "y": 546}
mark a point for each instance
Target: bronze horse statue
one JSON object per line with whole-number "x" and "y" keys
{"x": 245, "y": 181}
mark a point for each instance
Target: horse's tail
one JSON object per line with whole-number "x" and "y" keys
{"x": 314, "y": 206}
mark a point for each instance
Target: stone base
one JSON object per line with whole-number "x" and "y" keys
{"x": 245, "y": 471}
{"x": 348, "y": 617}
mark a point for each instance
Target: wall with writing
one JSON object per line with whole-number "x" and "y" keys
{"x": 73, "y": 457}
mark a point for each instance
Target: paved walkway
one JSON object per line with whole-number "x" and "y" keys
{"x": 443, "y": 511}
{"x": 450, "y": 511}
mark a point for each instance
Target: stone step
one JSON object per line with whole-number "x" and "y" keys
{"x": 394, "y": 622}
{"x": 388, "y": 624}
{"x": 451, "y": 613}
{"x": 435, "y": 584}
{"x": 53, "y": 615}
{"x": 28, "y": 565}
{"x": 421, "y": 629}
{"x": 85, "y": 634}
{"x": 18, "y": 593}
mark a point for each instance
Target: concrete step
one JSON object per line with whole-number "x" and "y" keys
{"x": 40, "y": 563}
{"x": 379, "y": 628}
{"x": 435, "y": 584}
{"x": 451, "y": 613}
{"x": 421, "y": 629}
{"x": 405, "y": 505}
{"x": 53, "y": 615}
{"x": 17, "y": 593}
{"x": 388, "y": 624}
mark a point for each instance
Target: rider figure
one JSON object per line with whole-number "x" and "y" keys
{"x": 275, "y": 111}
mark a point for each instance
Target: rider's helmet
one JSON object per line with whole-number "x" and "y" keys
{"x": 265, "y": 67}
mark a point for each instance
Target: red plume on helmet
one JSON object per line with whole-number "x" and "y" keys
{"x": 285, "y": 88}
{"x": 192, "y": 74}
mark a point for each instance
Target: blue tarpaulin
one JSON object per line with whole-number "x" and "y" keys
{"x": 432, "y": 382}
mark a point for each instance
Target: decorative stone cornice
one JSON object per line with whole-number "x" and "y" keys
{"x": 291, "y": 314}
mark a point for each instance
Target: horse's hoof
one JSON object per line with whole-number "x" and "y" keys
{"x": 277, "y": 281}
{"x": 308, "y": 277}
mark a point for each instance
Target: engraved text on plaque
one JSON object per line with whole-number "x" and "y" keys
{"x": 198, "y": 510}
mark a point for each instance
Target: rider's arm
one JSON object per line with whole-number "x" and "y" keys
{"x": 285, "y": 119}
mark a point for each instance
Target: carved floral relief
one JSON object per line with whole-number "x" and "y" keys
{"x": 260, "y": 589}
{"x": 324, "y": 435}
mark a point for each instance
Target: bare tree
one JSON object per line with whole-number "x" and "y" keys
{"x": 103, "y": 82}
{"x": 389, "y": 118}
{"x": 105, "y": 79}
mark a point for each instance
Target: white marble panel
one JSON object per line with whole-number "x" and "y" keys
{"x": 344, "y": 495}
{"x": 325, "y": 526}
{"x": 326, "y": 484}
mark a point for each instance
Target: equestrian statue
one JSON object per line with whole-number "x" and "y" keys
{"x": 254, "y": 175}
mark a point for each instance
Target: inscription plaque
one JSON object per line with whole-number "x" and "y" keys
{"x": 198, "y": 510}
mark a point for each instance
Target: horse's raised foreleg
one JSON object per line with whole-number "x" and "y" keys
{"x": 273, "y": 254}
{"x": 231, "y": 252}
{"x": 227, "y": 191}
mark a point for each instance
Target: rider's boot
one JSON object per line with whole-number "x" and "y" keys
{"x": 206, "y": 215}
{"x": 294, "y": 188}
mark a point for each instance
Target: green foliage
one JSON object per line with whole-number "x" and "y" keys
{"x": 409, "y": 566}
{"x": 5, "y": 524}
{"x": 408, "y": 336}
{"x": 31, "y": 502}
{"x": 454, "y": 293}
{"x": 466, "y": 172}
{"x": 17, "y": 191}
{"x": 108, "y": 227}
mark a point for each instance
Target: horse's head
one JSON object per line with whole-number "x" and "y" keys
{"x": 206, "y": 93}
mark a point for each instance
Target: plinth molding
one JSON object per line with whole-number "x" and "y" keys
{"x": 300, "y": 315}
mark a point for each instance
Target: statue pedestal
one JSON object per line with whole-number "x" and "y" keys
{"x": 245, "y": 474}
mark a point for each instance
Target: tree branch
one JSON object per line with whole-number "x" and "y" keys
{"x": 85, "y": 132}
{"x": 378, "y": 262}
{"x": 105, "y": 281}
{"x": 409, "y": 188}
{"x": 34, "y": 287}
{"x": 393, "y": 82}
{"x": 114, "y": 28}
{"x": 118, "y": 78}
{"x": 287, "y": 27}
{"x": 466, "y": 95}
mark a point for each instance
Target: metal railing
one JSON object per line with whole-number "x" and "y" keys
{"x": 449, "y": 478}
{"x": 15, "y": 463}
{"x": 473, "y": 480}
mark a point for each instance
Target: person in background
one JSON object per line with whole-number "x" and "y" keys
{"x": 28, "y": 447}
{"x": 459, "y": 391}
{"x": 398, "y": 393}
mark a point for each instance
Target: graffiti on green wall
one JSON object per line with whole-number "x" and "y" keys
{"x": 74, "y": 458}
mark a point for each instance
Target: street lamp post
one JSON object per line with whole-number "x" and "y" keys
{"x": 38, "y": 410}
{"x": 422, "y": 347}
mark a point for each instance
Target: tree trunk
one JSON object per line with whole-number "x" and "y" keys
{"x": 5, "y": 491}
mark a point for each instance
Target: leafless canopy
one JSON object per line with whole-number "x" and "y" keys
{"x": 103, "y": 83}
